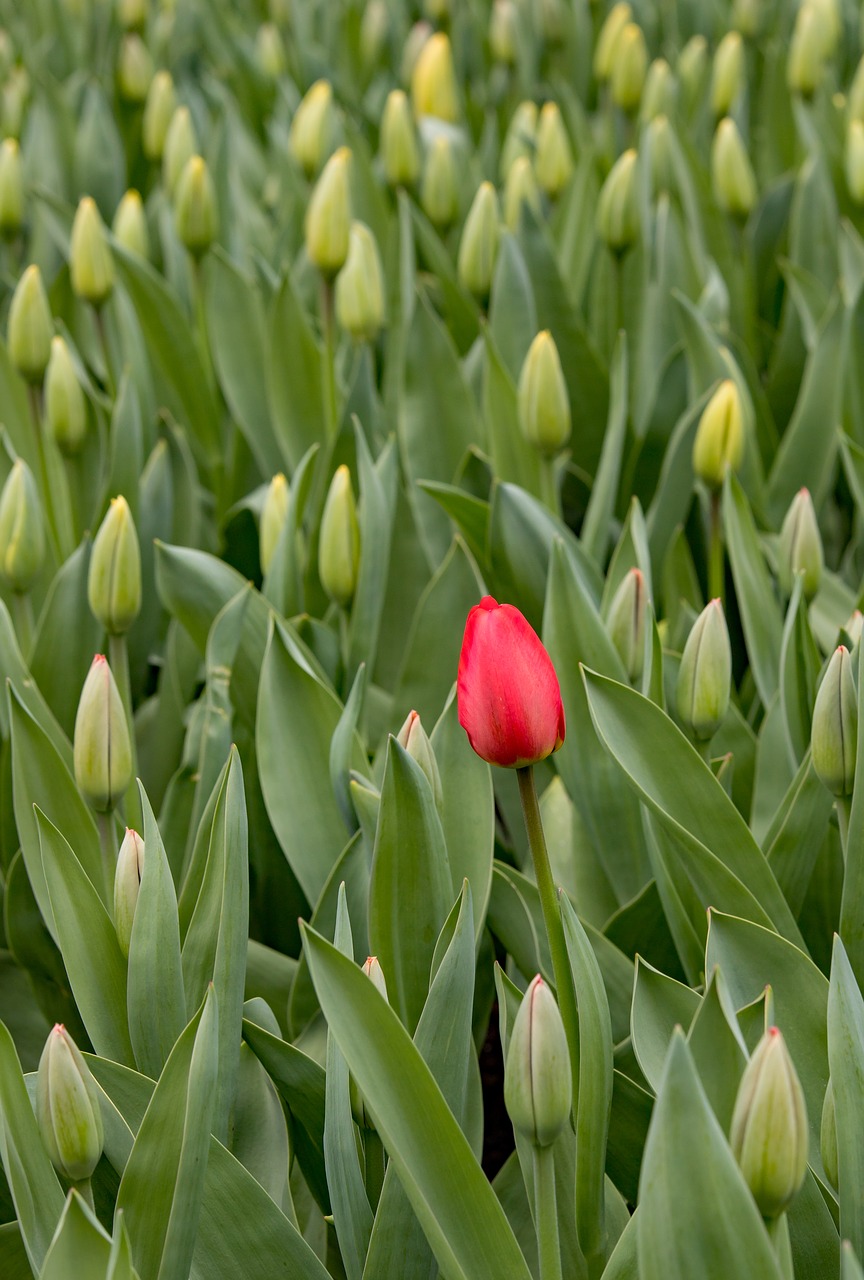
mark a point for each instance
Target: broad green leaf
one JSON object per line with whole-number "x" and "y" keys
{"x": 375, "y": 515}
{"x": 296, "y": 381}
{"x": 660, "y": 1004}
{"x": 760, "y": 613}
{"x": 66, "y": 624}
{"x": 13, "y": 1256}
{"x": 797, "y": 833}
{"x": 512, "y": 314}
{"x": 718, "y": 1049}
{"x": 800, "y": 663}
{"x": 604, "y": 491}
{"x": 81, "y": 1246}
{"x": 846, "y": 1058}
{"x": 513, "y": 457}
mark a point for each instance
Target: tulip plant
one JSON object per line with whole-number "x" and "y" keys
{"x": 431, "y": 572}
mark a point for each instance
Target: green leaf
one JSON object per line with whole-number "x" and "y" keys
{"x": 376, "y": 514}
{"x": 296, "y": 379}
{"x": 718, "y": 1048}
{"x": 604, "y": 491}
{"x": 81, "y": 1246}
{"x": 846, "y": 1058}
{"x": 66, "y": 625}
{"x": 513, "y": 457}
{"x": 760, "y": 614}
{"x": 660, "y": 1004}
{"x": 797, "y": 833}
{"x": 851, "y": 928}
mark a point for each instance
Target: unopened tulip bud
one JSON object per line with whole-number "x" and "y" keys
{"x": 719, "y": 442}
{"x": 102, "y": 751}
{"x": 520, "y": 139}
{"x": 360, "y": 287}
{"x": 747, "y": 17}
{"x": 727, "y": 75}
{"x": 374, "y": 26}
{"x": 660, "y": 92}
{"x": 372, "y": 969}
{"x": 130, "y": 225}
{"x": 134, "y": 69}
{"x": 828, "y": 1138}
{"x": 114, "y": 581}
{"x": 418, "y": 37}
{"x": 855, "y": 97}
{"x": 552, "y": 21}
{"x": 834, "y": 731}
{"x": 181, "y": 144}
{"x": 618, "y": 208}
{"x": 339, "y": 544}
{"x": 22, "y": 536}
{"x": 413, "y": 737}
{"x": 65, "y": 406}
{"x": 30, "y": 326}
{"x": 604, "y": 51}
{"x": 158, "y": 113}
{"x": 800, "y": 547}
{"x": 439, "y": 193}
{"x": 478, "y": 248}
{"x": 628, "y": 68}
{"x": 732, "y": 173}
{"x": 196, "y": 213}
{"x": 67, "y": 1108}
{"x": 769, "y": 1126}
{"x": 692, "y": 68}
{"x": 626, "y": 623}
{"x": 131, "y": 14}
{"x": 521, "y": 188}
{"x": 273, "y": 516}
{"x": 854, "y": 160}
{"x": 91, "y": 263}
{"x": 127, "y": 886}
{"x": 13, "y": 101}
{"x": 400, "y": 154}
{"x": 854, "y": 626}
{"x": 270, "y": 51}
{"x": 538, "y": 1088}
{"x": 659, "y": 154}
{"x": 11, "y": 189}
{"x": 504, "y": 32}
{"x": 328, "y": 216}
{"x": 554, "y": 159}
{"x": 805, "y": 67}
{"x": 705, "y": 674}
{"x": 544, "y": 405}
{"x": 313, "y": 128}
{"x": 433, "y": 80}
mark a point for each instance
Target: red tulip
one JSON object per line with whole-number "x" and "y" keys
{"x": 508, "y": 692}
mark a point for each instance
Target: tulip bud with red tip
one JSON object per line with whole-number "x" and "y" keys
{"x": 67, "y": 1107}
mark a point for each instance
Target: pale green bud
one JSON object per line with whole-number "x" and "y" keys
{"x": 196, "y": 213}
{"x": 828, "y": 1138}
{"x": 692, "y": 68}
{"x": 628, "y": 67}
{"x": 7, "y": 52}
{"x": 521, "y": 188}
{"x": 769, "y": 1126}
{"x": 127, "y": 885}
{"x": 67, "y": 1108}
{"x": 13, "y": 101}
{"x": 626, "y": 623}
{"x": 30, "y": 326}
{"x": 618, "y": 208}
{"x": 439, "y": 193}
{"x": 604, "y": 51}
{"x": 538, "y": 1087}
{"x": 433, "y": 80}
{"x": 660, "y": 92}
{"x": 158, "y": 113}
{"x": 437, "y": 10}
{"x": 727, "y": 74}
{"x": 504, "y": 32}
{"x": 339, "y": 543}
{"x": 91, "y": 263}
{"x": 731, "y": 171}
{"x": 830, "y": 27}
{"x": 22, "y": 535}
{"x": 834, "y": 731}
{"x": 413, "y": 737}
{"x": 360, "y": 286}
{"x": 658, "y": 149}
{"x": 800, "y": 547}
{"x": 719, "y": 442}
{"x": 102, "y": 751}
{"x": 854, "y": 160}
{"x": 130, "y": 225}
{"x": 805, "y": 67}
{"x": 11, "y": 189}
{"x": 705, "y": 674}
{"x": 544, "y": 406}
{"x": 273, "y": 516}
{"x": 400, "y": 154}
{"x": 134, "y": 69}
{"x": 855, "y": 97}
{"x": 854, "y": 626}
{"x": 270, "y": 51}
{"x": 478, "y": 248}
{"x": 372, "y": 969}
{"x": 114, "y": 580}
{"x": 65, "y": 406}
{"x": 520, "y": 138}
{"x": 313, "y": 128}
{"x": 374, "y": 26}
{"x": 417, "y": 38}
{"x": 328, "y": 215}
{"x": 747, "y": 17}
{"x": 131, "y": 14}
{"x": 554, "y": 160}
{"x": 181, "y": 144}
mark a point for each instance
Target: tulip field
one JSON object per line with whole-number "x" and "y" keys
{"x": 431, "y": 663}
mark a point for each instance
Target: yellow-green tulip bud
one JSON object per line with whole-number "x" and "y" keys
{"x": 400, "y": 154}
{"x": 413, "y": 737}
{"x": 805, "y": 67}
{"x": 91, "y": 263}
{"x": 114, "y": 581}
{"x": 604, "y": 51}
{"x": 360, "y": 286}
{"x": 769, "y": 1126}
{"x": 538, "y": 1087}
{"x": 374, "y": 26}
{"x": 692, "y": 67}
{"x": 554, "y": 159}
{"x": 328, "y": 215}
{"x": 439, "y": 193}
{"x": 854, "y": 626}
{"x": 11, "y": 189}
{"x": 659, "y": 94}
{"x": 134, "y": 69}
{"x": 196, "y": 213}
{"x": 747, "y": 17}
{"x": 372, "y": 968}
{"x": 520, "y": 138}
{"x": 127, "y": 885}
{"x": 628, "y": 68}
{"x": 102, "y": 751}
{"x": 339, "y": 544}
{"x": 731, "y": 171}
{"x": 158, "y": 113}
{"x": 130, "y": 225}
{"x": 433, "y": 80}
{"x": 22, "y": 536}
{"x": 313, "y": 128}
{"x": 659, "y": 153}
{"x": 834, "y": 731}
{"x": 800, "y": 547}
{"x": 270, "y": 51}
{"x": 727, "y": 75}
{"x": 626, "y": 623}
{"x": 273, "y": 516}
{"x": 719, "y": 442}
{"x": 544, "y": 406}
{"x": 7, "y": 52}
{"x": 417, "y": 38}
{"x": 855, "y": 97}
{"x": 478, "y": 248}
{"x": 67, "y": 1108}
{"x": 30, "y": 326}
{"x": 854, "y": 160}
{"x": 181, "y": 144}
{"x": 828, "y": 1138}
{"x": 65, "y": 407}
{"x": 521, "y": 188}
{"x": 504, "y": 32}
{"x": 830, "y": 27}
{"x": 131, "y": 14}
{"x": 437, "y": 10}
{"x": 618, "y": 208}
{"x": 13, "y": 102}
{"x": 705, "y": 674}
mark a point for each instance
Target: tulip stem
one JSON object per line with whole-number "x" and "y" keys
{"x": 107, "y": 843}
{"x": 546, "y": 1214}
{"x": 85, "y": 1191}
{"x": 22, "y": 612}
{"x": 716, "y": 583}
{"x": 118, "y": 658}
{"x": 549, "y": 485}
{"x": 778, "y": 1230}
{"x": 328, "y": 325}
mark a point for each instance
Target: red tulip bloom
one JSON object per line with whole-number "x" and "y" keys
{"x": 508, "y": 693}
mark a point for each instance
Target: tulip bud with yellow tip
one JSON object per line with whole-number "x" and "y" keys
{"x": 805, "y": 67}
{"x": 504, "y": 32}
{"x": 521, "y": 136}
{"x": 11, "y": 189}
{"x": 553, "y": 162}
{"x": 747, "y": 17}
{"x": 131, "y": 14}
{"x": 313, "y": 128}
{"x": 68, "y": 1110}
{"x": 114, "y": 579}
{"x": 360, "y": 286}
{"x": 433, "y": 80}
{"x": 102, "y": 751}
{"x": 604, "y": 51}
{"x": 626, "y": 622}
{"x": 854, "y": 160}
{"x": 30, "y": 326}
{"x": 134, "y": 69}
{"x": 22, "y": 535}
{"x": 769, "y": 1135}
{"x": 732, "y": 173}
{"x": 181, "y": 144}
{"x": 629, "y": 66}
{"x": 834, "y": 730}
{"x": 617, "y": 207}
{"x": 158, "y": 112}
{"x": 544, "y": 405}
{"x": 14, "y": 97}
{"x": 65, "y": 407}
{"x": 414, "y": 738}
{"x": 400, "y": 154}
{"x": 91, "y": 263}
{"x": 196, "y": 213}
{"x": 439, "y": 195}
{"x": 328, "y": 215}
{"x": 727, "y": 74}
{"x": 417, "y": 38}
{"x": 270, "y": 51}
{"x": 719, "y": 443}
{"x": 705, "y": 674}
{"x": 339, "y": 542}
{"x": 692, "y": 67}
{"x": 274, "y": 513}
{"x": 660, "y": 92}
{"x": 799, "y": 549}
{"x": 521, "y": 188}
{"x": 478, "y": 248}
{"x": 127, "y": 886}
{"x": 658, "y": 149}
{"x": 374, "y": 26}
{"x": 130, "y": 225}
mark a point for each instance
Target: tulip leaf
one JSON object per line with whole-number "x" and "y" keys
{"x": 375, "y": 514}
{"x": 514, "y": 458}
{"x": 851, "y": 928}
{"x": 81, "y": 1246}
{"x": 659, "y": 1005}
{"x": 512, "y": 321}
{"x": 65, "y": 623}
{"x": 295, "y": 382}
{"x": 797, "y": 833}
{"x": 718, "y": 1048}
{"x": 800, "y": 663}
{"x": 604, "y": 491}
{"x": 846, "y": 1058}
{"x": 760, "y": 614}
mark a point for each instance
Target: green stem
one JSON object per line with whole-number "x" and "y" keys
{"x": 118, "y": 658}
{"x": 716, "y": 564}
{"x": 107, "y": 843}
{"x": 374, "y": 1152}
{"x": 47, "y": 493}
{"x": 548, "y": 485}
{"x": 85, "y": 1191}
{"x": 22, "y": 612}
{"x": 546, "y": 1214}
{"x": 778, "y": 1230}
{"x": 328, "y": 325}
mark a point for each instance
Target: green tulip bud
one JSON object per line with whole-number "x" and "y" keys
{"x": 538, "y": 1088}
{"x": 400, "y": 154}
{"x": 417, "y": 38}
{"x": 604, "y": 51}
{"x": 554, "y": 160}
{"x": 413, "y": 737}
{"x": 374, "y": 26}
{"x": 747, "y": 17}
{"x": 478, "y": 248}
{"x": 270, "y": 51}
{"x": 617, "y": 208}
{"x": 727, "y": 75}
{"x": 504, "y": 32}
{"x": 660, "y": 92}
{"x": 805, "y": 67}
{"x": 22, "y": 535}
{"x": 273, "y": 516}
{"x": 130, "y": 225}
{"x": 834, "y": 731}
{"x": 692, "y": 68}
{"x": 65, "y": 406}
{"x": 437, "y": 10}
{"x": 11, "y": 189}
{"x": 731, "y": 171}
{"x": 800, "y": 547}
{"x": 439, "y": 194}
{"x": 628, "y": 67}
{"x": 830, "y": 27}
{"x": 360, "y": 286}
{"x": 372, "y": 969}
{"x": 659, "y": 153}
{"x": 719, "y": 442}
{"x": 828, "y": 1138}
{"x": 13, "y": 102}
{"x": 854, "y": 160}
{"x": 769, "y": 1126}
{"x": 196, "y": 212}
{"x": 544, "y": 406}
{"x": 521, "y": 188}
{"x": 158, "y": 113}
{"x": 339, "y": 544}
{"x": 181, "y": 144}
{"x": 67, "y": 1108}
{"x": 626, "y": 623}
{"x": 134, "y": 69}
{"x": 114, "y": 581}
{"x": 328, "y": 216}
{"x": 552, "y": 21}
{"x": 520, "y": 139}
{"x": 855, "y": 97}
{"x": 30, "y": 326}
{"x": 131, "y": 14}
{"x": 91, "y": 263}
{"x": 705, "y": 674}
{"x": 433, "y": 80}
{"x": 313, "y": 128}
{"x": 102, "y": 751}
{"x": 7, "y": 52}
{"x": 854, "y": 626}
{"x": 127, "y": 885}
